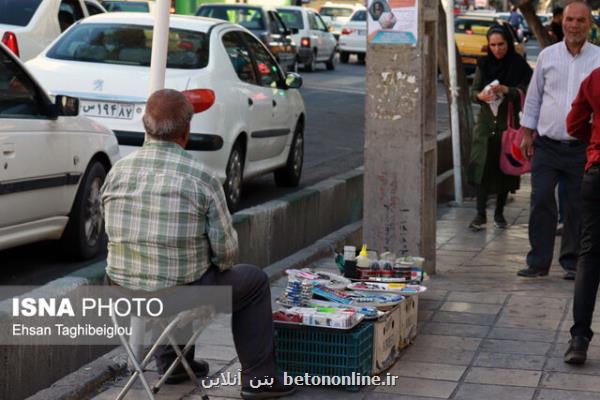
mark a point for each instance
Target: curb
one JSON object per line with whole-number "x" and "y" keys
{"x": 313, "y": 212}
{"x": 84, "y": 383}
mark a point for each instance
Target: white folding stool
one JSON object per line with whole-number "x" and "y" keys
{"x": 135, "y": 347}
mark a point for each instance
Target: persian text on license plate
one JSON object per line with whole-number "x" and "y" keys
{"x": 107, "y": 110}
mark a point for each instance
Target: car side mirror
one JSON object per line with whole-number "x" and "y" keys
{"x": 66, "y": 106}
{"x": 293, "y": 80}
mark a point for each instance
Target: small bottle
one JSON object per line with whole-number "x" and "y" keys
{"x": 362, "y": 262}
{"x": 375, "y": 271}
{"x": 349, "y": 253}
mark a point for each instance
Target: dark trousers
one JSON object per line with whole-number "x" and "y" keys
{"x": 553, "y": 160}
{"x": 588, "y": 265}
{"x": 482, "y": 196}
{"x": 562, "y": 193}
{"x": 252, "y": 321}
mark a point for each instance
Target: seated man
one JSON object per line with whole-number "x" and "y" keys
{"x": 168, "y": 224}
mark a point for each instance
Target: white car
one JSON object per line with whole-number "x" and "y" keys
{"x": 53, "y": 164}
{"x": 336, "y": 15}
{"x": 354, "y": 37}
{"x": 28, "y": 26}
{"x": 249, "y": 116}
{"x": 315, "y": 43}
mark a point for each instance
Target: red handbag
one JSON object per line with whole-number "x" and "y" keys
{"x": 512, "y": 159}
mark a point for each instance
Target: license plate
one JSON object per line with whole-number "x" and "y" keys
{"x": 106, "y": 109}
{"x": 362, "y": 32}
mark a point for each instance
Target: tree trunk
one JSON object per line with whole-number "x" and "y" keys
{"x": 528, "y": 11}
{"x": 465, "y": 111}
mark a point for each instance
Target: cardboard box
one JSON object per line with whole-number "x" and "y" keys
{"x": 386, "y": 337}
{"x": 409, "y": 310}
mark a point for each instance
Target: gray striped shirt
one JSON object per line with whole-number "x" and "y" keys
{"x": 554, "y": 86}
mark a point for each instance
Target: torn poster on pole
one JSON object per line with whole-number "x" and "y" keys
{"x": 393, "y": 21}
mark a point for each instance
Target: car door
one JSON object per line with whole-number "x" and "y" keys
{"x": 34, "y": 152}
{"x": 280, "y": 40}
{"x": 327, "y": 41}
{"x": 272, "y": 137}
{"x": 315, "y": 35}
{"x": 254, "y": 100}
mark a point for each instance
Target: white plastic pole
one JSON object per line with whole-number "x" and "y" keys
{"x": 454, "y": 126}
{"x": 160, "y": 42}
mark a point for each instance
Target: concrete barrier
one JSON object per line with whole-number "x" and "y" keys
{"x": 267, "y": 233}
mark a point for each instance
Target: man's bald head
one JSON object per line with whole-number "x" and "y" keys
{"x": 577, "y": 21}
{"x": 168, "y": 115}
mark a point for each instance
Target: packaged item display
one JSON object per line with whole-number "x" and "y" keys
{"x": 326, "y": 317}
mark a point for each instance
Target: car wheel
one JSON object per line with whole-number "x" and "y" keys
{"x": 84, "y": 235}
{"x": 330, "y": 64}
{"x": 362, "y": 57}
{"x": 233, "y": 181}
{"x": 344, "y": 57}
{"x": 289, "y": 175}
{"x": 312, "y": 65}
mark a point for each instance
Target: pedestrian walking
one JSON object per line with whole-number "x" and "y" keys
{"x": 498, "y": 79}
{"x": 560, "y": 70}
{"x": 585, "y": 105}
{"x": 515, "y": 19}
{"x": 555, "y": 29}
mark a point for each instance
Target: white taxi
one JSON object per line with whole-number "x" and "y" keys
{"x": 249, "y": 116}
{"x": 353, "y": 39}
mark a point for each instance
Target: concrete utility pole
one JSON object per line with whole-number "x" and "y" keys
{"x": 160, "y": 45}
{"x": 401, "y": 136}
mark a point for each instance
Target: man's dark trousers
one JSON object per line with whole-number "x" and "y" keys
{"x": 252, "y": 321}
{"x": 588, "y": 265}
{"x": 553, "y": 160}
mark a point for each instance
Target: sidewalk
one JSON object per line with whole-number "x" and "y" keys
{"x": 484, "y": 332}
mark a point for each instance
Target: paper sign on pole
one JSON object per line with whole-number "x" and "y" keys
{"x": 393, "y": 21}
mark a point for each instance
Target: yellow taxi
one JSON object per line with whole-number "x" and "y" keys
{"x": 470, "y": 31}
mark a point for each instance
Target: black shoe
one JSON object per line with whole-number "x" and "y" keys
{"x": 478, "y": 223}
{"x": 577, "y": 351}
{"x": 569, "y": 276}
{"x": 531, "y": 273}
{"x": 200, "y": 369}
{"x": 500, "y": 222}
{"x": 271, "y": 392}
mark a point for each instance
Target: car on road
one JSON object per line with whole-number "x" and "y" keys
{"x": 315, "y": 43}
{"x": 53, "y": 164}
{"x": 28, "y": 26}
{"x": 263, "y": 22}
{"x": 337, "y": 15}
{"x": 249, "y": 117}
{"x": 354, "y": 37}
{"x": 470, "y": 34}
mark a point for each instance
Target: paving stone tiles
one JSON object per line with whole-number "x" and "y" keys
{"x": 503, "y": 376}
{"x": 484, "y": 332}
{"x": 475, "y": 391}
{"x": 504, "y": 360}
{"x": 463, "y": 330}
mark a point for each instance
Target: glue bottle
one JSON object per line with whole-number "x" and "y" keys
{"x": 362, "y": 262}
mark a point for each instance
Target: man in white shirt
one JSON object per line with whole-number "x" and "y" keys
{"x": 559, "y": 72}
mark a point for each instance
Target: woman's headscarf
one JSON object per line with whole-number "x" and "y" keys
{"x": 511, "y": 69}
